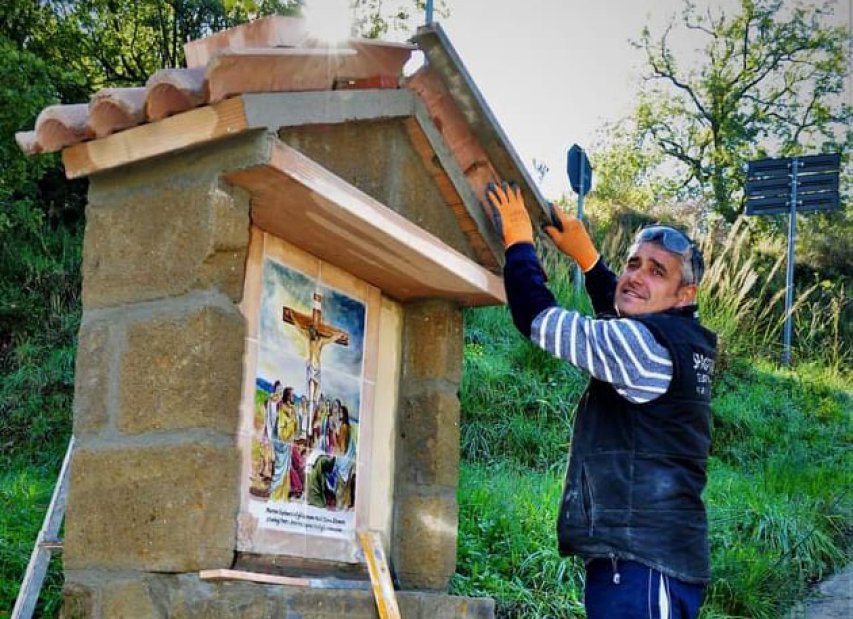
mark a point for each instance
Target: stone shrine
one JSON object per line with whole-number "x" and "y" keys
{"x": 280, "y": 240}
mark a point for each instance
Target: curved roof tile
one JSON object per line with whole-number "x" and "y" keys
{"x": 114, "y": 109}
{"x": 171, "y": 91}
{"x": 59, "y": 126}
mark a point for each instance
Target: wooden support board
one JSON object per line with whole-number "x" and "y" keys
{"x": 300, "y": 201}
{"x": 274, "y": 579}
{"x": 45, "y": 543}
{"x": 380, "y": 575}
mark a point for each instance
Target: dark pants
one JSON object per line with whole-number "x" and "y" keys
{"x": 640, "y": 593}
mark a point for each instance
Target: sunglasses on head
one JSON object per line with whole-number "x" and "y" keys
{"x": 676, "y": 242}
{"x": 673, "y": 240}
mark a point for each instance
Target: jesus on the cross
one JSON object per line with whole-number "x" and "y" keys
{"x": 318, "y": 334}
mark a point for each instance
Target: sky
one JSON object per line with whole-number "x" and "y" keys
{"x": 555, "y": 76}
{"x": 554, "y": 72}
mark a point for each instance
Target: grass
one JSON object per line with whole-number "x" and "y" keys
{"x": 39, "y": 318}
{"x": 36, "y": 424}
{"x": 25, "y": 493}
{"x": 506, "y": 545}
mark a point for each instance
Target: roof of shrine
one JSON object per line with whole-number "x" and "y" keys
{"x": 270, "y": 73}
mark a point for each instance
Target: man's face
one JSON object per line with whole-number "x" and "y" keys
{"x": 651, "y": 282}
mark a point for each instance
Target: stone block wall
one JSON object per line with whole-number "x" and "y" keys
{"x": 427, "y": 476}
{"x": 154, "y": 478}
{"x": 185, "y": 596}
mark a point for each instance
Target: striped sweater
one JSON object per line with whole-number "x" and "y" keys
{"x": 619, "y": 351}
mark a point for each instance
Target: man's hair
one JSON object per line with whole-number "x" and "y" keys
{"x": 678, "y": 244}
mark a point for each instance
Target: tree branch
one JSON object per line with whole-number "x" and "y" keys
{"x": 669, "y": 74}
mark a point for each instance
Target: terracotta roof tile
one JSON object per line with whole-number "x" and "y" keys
{"x": 273, "y": 54}
{"x": 236, "y": 71}
{"x": 27, "y": 142}
{"x": 276, "y": 54}
{"x": 59, "y": 126}
{"x": 171, "y": 91}
{"x": 114, "y": 109}
{"x": 272, "y": 31}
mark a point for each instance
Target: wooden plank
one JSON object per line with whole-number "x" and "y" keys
{"x": 290, "y": 581}
{"x": 380, "y": 575}
{"x": 226, "y": 118}
{"x": 180, "y": 131}
{"x": 49, "y": 533}
{"x": 303, "y": 203}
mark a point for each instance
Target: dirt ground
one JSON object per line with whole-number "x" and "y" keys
{"x": 833, "y": 599}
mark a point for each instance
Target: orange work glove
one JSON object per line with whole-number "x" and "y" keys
{"x": 510, "y": 217}
{"x": 572, "y": 238}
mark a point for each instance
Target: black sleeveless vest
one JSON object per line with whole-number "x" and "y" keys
{"x": 637, "y": 471}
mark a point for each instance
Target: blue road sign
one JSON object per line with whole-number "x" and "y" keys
{"x": 580, "y": 172}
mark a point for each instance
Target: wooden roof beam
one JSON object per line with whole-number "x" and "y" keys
{"x": 170, "y": 134}
{"x": 305, "y": 204}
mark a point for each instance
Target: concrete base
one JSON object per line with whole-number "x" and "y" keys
{"x": 184, "y": 596}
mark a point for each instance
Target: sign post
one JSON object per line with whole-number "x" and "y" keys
{"x": 790, "y": 185}
{"x": 580, "y": 178}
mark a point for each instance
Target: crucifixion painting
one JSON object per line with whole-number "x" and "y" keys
{"x": 307, "y": 404}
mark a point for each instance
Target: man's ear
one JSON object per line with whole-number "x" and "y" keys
{"x": 686, "y": 295}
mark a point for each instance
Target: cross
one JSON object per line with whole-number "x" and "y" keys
{"x": 319, "y": 334}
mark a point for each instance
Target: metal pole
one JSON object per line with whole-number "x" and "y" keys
{"x": 789, "y": 274}
{"x": 582, "y": 187}
{"x": 429, "y": 12}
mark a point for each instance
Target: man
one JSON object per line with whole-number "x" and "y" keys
{"x": 632, "y": 504}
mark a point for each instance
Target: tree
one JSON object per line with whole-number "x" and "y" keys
{"x": 122, "y": 43}
{"x": 770, "y": 83}
{"x": 378, "y": 18}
